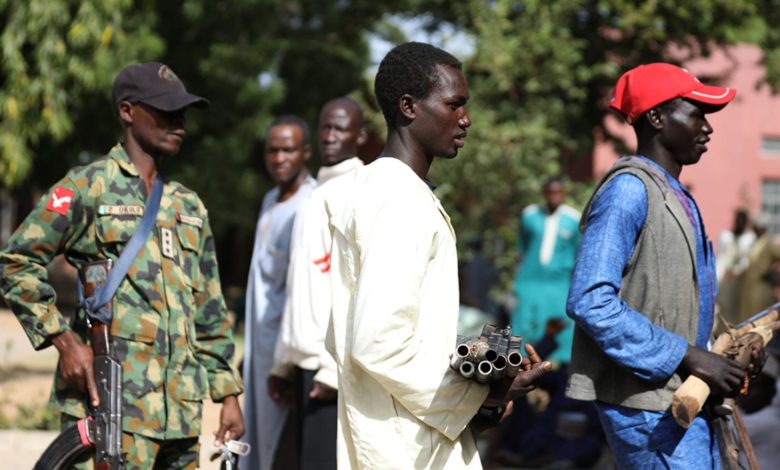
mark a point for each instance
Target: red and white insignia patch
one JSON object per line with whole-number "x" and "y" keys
{"x": 60, "y": 200}
{"x": 323, "y": 263}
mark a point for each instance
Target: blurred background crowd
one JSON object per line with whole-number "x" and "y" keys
{"x": 539, "y": 73}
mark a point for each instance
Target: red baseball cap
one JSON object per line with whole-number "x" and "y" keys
{"x": 644, "y": 87}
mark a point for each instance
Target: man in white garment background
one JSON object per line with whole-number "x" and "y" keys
{"x": 304, "y": 373}
{"x": 394, "y": 274}
{"x": 286, "y": 150}
{"x": 731, "y": 262}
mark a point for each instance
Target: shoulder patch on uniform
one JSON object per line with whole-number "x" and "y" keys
{"x": 190, "y": 220}
{"x": 60, "y": 200}
{"x": 105, "y": 209}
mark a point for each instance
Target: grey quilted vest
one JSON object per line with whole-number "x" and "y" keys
{"x": 659, "y": 281}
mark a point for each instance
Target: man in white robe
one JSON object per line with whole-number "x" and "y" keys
{"x": 300, "y": 358}
{"x": 395, "y": 286}
{"x": 286, "y": 150}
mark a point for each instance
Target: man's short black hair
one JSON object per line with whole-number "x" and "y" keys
{"x": 409, "y": 68}
{"x": 557, "y": 179}
{"x": 291, "y": 120}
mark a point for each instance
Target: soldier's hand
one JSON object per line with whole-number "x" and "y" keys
{"x": 75, "y": 364}
{"x": 280, "y": 389}
{"x": 723, "y": 375}
{"x": 323, "y": 392}
{"x": 231, "y": 421}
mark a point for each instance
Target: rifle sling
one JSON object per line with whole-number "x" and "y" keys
{"x": 93, "y": 305}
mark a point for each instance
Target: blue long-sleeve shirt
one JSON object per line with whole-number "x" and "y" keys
{"x": 639, "y": 438}
{"x": 626, "y": 336}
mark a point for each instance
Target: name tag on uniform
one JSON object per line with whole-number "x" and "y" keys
{"x": 190, "y": 220}
{"x": 120, "y": 210}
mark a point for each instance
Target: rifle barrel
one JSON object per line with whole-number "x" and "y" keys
{"x": 759, "y": 315}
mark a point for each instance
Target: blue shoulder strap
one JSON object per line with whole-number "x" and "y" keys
{"x": 94, "y": 305}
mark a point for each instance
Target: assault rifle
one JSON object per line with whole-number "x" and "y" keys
{"x": 101, "y": 430}
{"x": 736, "y": 343}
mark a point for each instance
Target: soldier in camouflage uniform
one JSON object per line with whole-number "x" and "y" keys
{"x": 170, "y": 329}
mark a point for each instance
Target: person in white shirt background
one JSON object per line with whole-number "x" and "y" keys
{"x": 731, "y": 261}
{"x": 286, "y": 150}
{"x": 304, "y": 373}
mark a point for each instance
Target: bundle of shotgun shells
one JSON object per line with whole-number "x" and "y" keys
{"x": 488, "y": 357}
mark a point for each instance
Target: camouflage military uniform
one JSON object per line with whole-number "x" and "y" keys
{"x": 170, "y": 329}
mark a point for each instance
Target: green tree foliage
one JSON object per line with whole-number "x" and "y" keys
{"x": 255, "y": 60}
{"x": 540, "y": 80}
{"x": 54, "y": 53}
{"x": 763, "y": 30}
{"x": 540, "y": 77}
{"x": 526, "y": 81}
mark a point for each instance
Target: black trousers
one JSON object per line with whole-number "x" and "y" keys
{"x": 317, "y": 427}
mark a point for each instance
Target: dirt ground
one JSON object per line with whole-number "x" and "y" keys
{"x": 25, "y": 379}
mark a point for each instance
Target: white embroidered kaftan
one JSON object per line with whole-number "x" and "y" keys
{"x": 393, "y": 326}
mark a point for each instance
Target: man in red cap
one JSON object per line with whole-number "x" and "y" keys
{"x": 643, "y": 286}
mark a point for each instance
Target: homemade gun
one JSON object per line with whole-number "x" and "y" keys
{"x": 488, "y": 357}
{"x": 736, "y": 343}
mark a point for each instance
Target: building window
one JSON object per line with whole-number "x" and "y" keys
{"x": 770, "y": 146}
{"x": 770, "y": 203}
